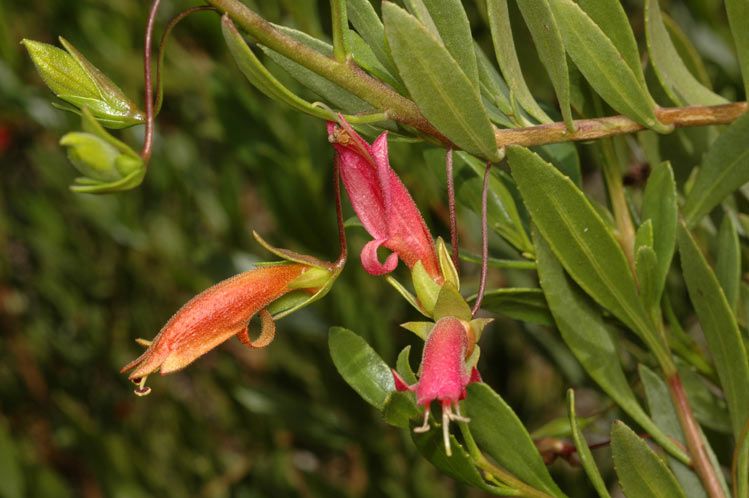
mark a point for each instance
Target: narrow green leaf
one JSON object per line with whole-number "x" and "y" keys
{"x": 738, "y": 13}
{"x": 579, "y": 237}
{"x": 728, "y": 261}
{"x": 646, "y": 263}
{"x": 507, "y": 58}
{"x": 687, "y": 51}
{"x": 452, "y": 24}
{"x": 458, "y": 466}
{"x": 584, "y": 331}
{"x": 500, "y": 433}
{"x": 719, "y": 326}
{"x": 528, "y": 305}
{"x": 326, "y": 89}
{"x": 367, "y": 59}
{"x": 565, "y": 157}
{"x": 678, "y": 82}
{"x": 659, "y": 205}
{"x": 662, "y": 410}
{"x": 641, "y": 472}
{"x": 364, "y": 18}
{"x": 583, "y": 451}
{"x": 610, "y": 16}
{"x": 260, "y": 77}
{"x": 492, "y": 84}
{"x": 724, "y": 169}
{"x": 548, "y": 40}
{"x": 709, "y": 407}
{"x": 360, "y": 366}
{"x": 400, "y": 409}
{"x": 437, "y": 84}
{"x": 604, "y": 66}
{"x": 419, "y": 10}
{"x": 644, "y": 235}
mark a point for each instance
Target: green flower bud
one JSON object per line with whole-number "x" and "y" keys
{"x": 107, "y": 164}
{"x": 80, "y": 84}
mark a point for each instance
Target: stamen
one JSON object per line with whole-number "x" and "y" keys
{"x": 143, "y": 342}
{"x": 425, "y": 426}
{"x": 446, "y": 417}
{"x": 457, "y": 416}
{"x": 142, "y": 390}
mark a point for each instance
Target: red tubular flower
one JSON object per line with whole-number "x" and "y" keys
{"x": 224, "y": 310}
{"x": 444, "y": 374}
{"x": 382, "y": 204}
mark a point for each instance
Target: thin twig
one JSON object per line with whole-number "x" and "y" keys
{"x": 451, "y": 206}
{"x": 484, "y": 242}
{"x": 162, "y": 50}
{"x": 148, "y": 140}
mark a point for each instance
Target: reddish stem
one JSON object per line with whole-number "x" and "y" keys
{"x": 451, "y": 205}
{"x": 339, "y": 215}
{"x": 147, "y": 76}
{"x": 484, "y": 242}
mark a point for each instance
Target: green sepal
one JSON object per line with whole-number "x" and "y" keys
{"x": 311, "y": 279}
{"x": 451, "y": 303}
{"x": 473, "y": 359}
{"x": 449, "y": 272}
{"x": 407, "y": 295}
{"x": 293, "y": 256}
{"x": 427, "y": 290}
{"x": 421, "y": 329}
{"x": 478, "y": 325}
{"x": 403, "y": 366}
{"x": 71, "y": 77}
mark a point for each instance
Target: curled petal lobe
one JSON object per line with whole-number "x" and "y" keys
{"x": 370, "y": 262}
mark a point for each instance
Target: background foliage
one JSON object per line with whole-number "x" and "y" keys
{"x": 82, "y": 276}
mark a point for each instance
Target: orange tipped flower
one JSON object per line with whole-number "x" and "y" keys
{"x": 224, "y": 310}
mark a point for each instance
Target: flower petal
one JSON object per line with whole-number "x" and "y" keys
{"x": 443, "y": 369}
{"x": 370, "y": 262}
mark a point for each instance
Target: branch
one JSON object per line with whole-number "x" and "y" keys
{"x": 591, "y": 129}
{"x": 693, "y": 435}
{"x": 399, "y": 108}
{"x": 346, "y": 75}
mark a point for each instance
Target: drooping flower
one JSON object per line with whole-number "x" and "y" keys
{"x": 444, "y": 374}
{"x": 382, "y": 204}
{"x": 225, "y": 310}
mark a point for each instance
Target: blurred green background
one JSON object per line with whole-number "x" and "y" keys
{"x": 82, "y": 276}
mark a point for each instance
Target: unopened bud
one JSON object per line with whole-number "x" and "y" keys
{"x": 80, "y": 84}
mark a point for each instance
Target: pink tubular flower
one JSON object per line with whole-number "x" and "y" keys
{"x": 223, "y": 311}
{"x": 444, "y": 374}
{"x": 382, "y": 203}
